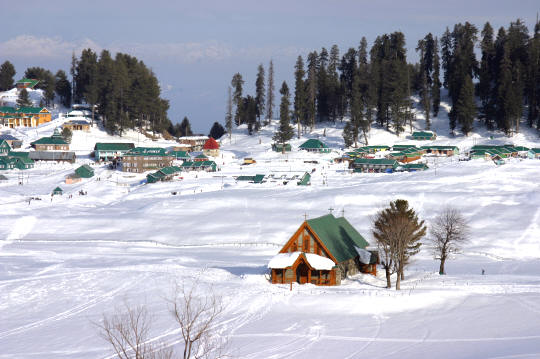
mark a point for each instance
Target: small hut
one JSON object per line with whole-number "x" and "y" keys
{"x": 57, "y": 191}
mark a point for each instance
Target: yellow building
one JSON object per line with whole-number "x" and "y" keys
{"x": 24, "y": 116}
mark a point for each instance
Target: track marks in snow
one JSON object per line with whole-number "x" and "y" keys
{"x": 71, "y": 312}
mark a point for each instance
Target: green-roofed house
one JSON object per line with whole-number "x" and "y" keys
{"x": 280, "y": 147}
{"x": 142, "y": 159}
{"x": 53, "y": 143}
{"x": 164, "y": 174}
{"x": 200, "y": 158}
{"x": 57, "y": 191}
{"x": 323, "y": 251}
{"x": 24, "y": 116}
{"x": 27, "y": 83}
{"x": 85, "y": 171}
{"x": 208, "y": 166}
{"x": 6, "y": 163}
{"x": 424, "y": 135}
{"x": 107, "y": 151}
{"x": 374, "y": 165}
{"x": 4, "y": 148}
{"x": 413, "y": 167}
{"x": 180, "y": 155}
{"x": 314, "y": 145}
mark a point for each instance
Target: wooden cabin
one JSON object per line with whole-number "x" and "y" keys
{"x": 314, "y": 145}
{"x": 12, "y": 141}
{"x": 322, "y": 251}
{"x": 424, "y": 135}
{"x": 374, "y": 165}
{"x": 142, "y": 159}
{"x": 108, "y": 151}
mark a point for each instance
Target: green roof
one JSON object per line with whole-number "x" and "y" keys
{"x": 31, "y": 82}
{"x": 423, "y": 134}
{"x": 415, "y": 166}
{"x": 18, "y": 154}
{"x": 113, "y": 146}
{"x": 147, "y": 151}
{"x": 377, "y": 146}
{"x": 535, "y": 150}
{"x": 201, "y": 156}
{"x": 521, "y": 148}
{"x": 55, "y": 139}
{"x": 170, "y": 170}
{"x": 439, "y": 147}
{"x": 338, "y": 235}
{"x": 179, "y": 154}
{"x": 402, "y": 147}
{"x": 375, "y": 161}
{"x": 85, "y": 171}
{"x": 313, "y": 143}
{"x": 58, "y": 190}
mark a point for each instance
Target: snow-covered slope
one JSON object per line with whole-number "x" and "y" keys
{"x": 65, "y": 261}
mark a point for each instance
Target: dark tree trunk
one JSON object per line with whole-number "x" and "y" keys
{"x": 388, "y": 281}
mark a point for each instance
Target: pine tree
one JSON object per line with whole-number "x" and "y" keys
{"x": 237, "y": 82}
{"x": 322, "y": 87}
{"x": 185, "y": 127}
{"x": 311, "y": 88}
{"x": 23, "y": 100}
{"x": 285, "y": 131}
{"x": 532, "y": 90}
{"x": 217, "y": 131}
{"x": 357, "y": 108}
{"x": 63, "y": 88}
{"x": 487, "y": 77}
{"x": 270, "y": 93}
{"x": 446, "y": 54}
{"x": 228, "y": 115}
{"x": 465, "y": 108}
{"x": 7, "y": 71}
{"x": 426, "y": 47}
{"x": 505, "y": 93}
{"x": 334, "y": 90}
{"x": 259, "y": 90}
{"x": 436, "y": 87}
{"x": 299, "y": 94}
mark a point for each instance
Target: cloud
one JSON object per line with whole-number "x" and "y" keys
{"x": 46, "y": 47}
{"x": 29, "y": 46}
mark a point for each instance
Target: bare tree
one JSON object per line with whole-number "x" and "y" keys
{"x": 197, "y": 312}
{"x": 128, "y": 334}
{"x": 398, "y": 231}
{"x": 449, "y": 231}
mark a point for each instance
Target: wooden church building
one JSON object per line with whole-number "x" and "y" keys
{"x": 323, "y": 251}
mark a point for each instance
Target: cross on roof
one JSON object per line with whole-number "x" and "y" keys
{"x": 330, "y": 209}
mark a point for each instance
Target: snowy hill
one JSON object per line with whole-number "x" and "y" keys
{"x": 65, "y": 261}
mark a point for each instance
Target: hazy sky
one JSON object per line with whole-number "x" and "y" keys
{"x": 195, "y": 47}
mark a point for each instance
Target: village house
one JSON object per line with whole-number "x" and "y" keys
{"x": 424, "y": 135}
{"x": 142, "y": 159}
{"x": 323, "y": 251}
{"x": 196, "y": 143}
{"x": 438, "y": 150}
{"x": 314, "y": 145}
{"x": 26, "y": 83}
{"x": 534, "y": 153}
{"x": 4, "y": 148}
{"x": 24, "y": 116}
{"x": 374, "y": 165}
{"x": 208, "y": 166}
{"x": 164, "y": 174}
{"x": 78, "y": 125}
{"x": 12, "y": 141}
{"x": 53, "y": 143}
{"x": 21, "y": 160}
{"x": 211, "y": 148}
{"x": 180, "y": 155}
{"x": 107, "y": 151}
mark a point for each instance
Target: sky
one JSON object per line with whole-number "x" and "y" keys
{"x": 195, "y": 47}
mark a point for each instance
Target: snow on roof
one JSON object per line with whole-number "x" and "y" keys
{"x": 193, "y": 138}
{"x": 284, "y": 260}
{"x": 363, "y": 255}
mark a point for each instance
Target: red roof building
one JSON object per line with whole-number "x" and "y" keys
{"x": 211, "y": 148}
